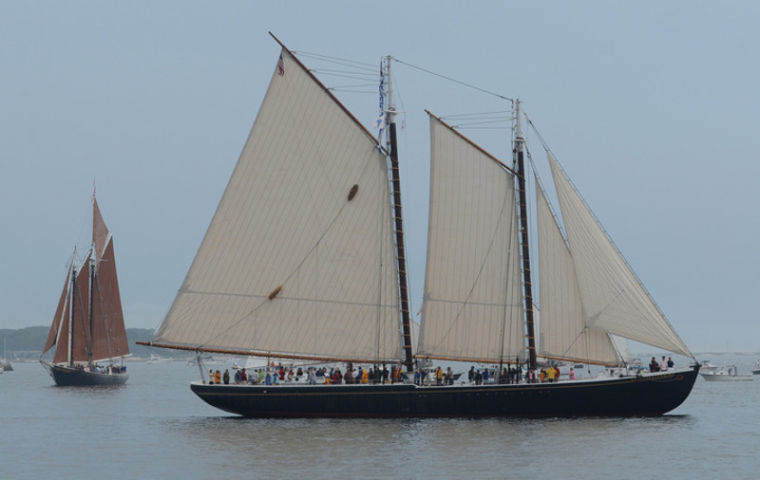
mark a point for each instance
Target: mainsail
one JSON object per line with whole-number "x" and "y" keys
{"x": 109, "y": 336}
{"x": 563, "y": 330}
{"x": 299, "y": 258}
{"x": 473, "y": 308}
{"x": 613, "y": 299}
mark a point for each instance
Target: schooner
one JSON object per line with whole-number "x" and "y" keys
{"x": 88, "y": 326}
{"x": 304, "y": 259}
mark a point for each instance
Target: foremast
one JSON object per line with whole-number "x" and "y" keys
{"x": 518, "y": 158}
{"x": 391, "y": 146}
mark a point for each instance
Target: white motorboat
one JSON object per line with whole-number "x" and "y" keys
{"x": 756, "y": 368}
{"x": 728, "y": 373}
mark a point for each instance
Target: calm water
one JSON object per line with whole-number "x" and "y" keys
{"x": 155, "y": 427}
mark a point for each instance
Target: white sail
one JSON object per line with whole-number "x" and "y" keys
{"x": 563, "y": 331}
{"x": 612, "y": 296}
{"x": 299, "y": 258}
{"x": 472, "y": 309}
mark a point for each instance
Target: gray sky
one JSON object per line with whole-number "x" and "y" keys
{"x": 650, "y": 106}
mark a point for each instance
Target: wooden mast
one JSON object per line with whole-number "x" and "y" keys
{"x": 71, "y": 310}
{"x": 92, "y": 287}
{"x": 392, "y": 148}
{"x": 527, "y": 286}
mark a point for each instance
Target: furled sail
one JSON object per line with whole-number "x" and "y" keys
{"x": 563, "y": 331}
{"x": 299, "y": 258}
{"x": 472, "y": 308}
{"x": 613, "y": 298}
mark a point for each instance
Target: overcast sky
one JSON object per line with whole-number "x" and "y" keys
{"x": 650, "y": 106}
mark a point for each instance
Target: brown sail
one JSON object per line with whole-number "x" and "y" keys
{"x": 109, "y": 337}
{"x": 61, "y": 314}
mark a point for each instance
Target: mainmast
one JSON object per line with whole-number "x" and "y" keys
{"x": 92, "y": 285}
{"x": 527, "y": 286}
{"x": 392, "y": 148}
{"x": 71, "y": 310}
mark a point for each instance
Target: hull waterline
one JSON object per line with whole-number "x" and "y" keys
{"x": 646, "y": 395}
{"x": 71, "y": 377}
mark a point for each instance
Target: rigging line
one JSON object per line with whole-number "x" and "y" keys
{"x": 485, "y": 121}
{"x": 326, "y": 58}
{"x": 358, "y": 74}
{"x": 353, "y": 85}
{"x": 485, "y": 118}
{"x": 554, "y": 214}
{"x": 479, "y": 114}
{"x": 349, "y": 90}
{"x": 352, "y": 76}
{"x": 482, "y": 90}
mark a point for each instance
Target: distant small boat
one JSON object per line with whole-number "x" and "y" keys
{"x": 5, "y": 365}
{"x": 728, "y": 373}
{"x": 756, "y": 368}
{"x": 157, "y": 358}
{"x": 88, "y": 326}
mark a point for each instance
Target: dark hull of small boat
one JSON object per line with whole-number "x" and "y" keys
{"x": 72, "y": 377}
{"x": 647, "y": 395}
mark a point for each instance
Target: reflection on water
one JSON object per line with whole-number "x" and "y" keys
{"x": 447, "y": 447}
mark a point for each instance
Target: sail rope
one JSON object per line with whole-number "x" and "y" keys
{"x": 350, "y": 69}
{"x": 480, "y": 121}
{"x": 454, "y": 80}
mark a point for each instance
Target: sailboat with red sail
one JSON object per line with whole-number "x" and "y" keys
{"x": 88, "y": 332}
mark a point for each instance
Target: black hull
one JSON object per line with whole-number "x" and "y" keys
{"x": 647, "y": 395}
{"x": 73, "y": 377}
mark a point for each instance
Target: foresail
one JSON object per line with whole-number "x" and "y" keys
{"x": 59, "y": 319}
{"x": 612, "y": 296}
{"x": 472, "y": 308}
{"x": 109, "y": 337}
{"x": 299, "y": 258}
{"x": 563, "y": 332}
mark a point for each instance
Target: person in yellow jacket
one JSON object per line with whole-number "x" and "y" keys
{"x": 365, "y": 376}
{"x": 550, "y": 374}
{"x": 218, "y": 377}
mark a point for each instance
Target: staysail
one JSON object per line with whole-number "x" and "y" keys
{"x": 299, "y": 258}
{"x": 563, "y": 332}
{"x": 613, "y": 298}
{"x": 472, "y": 308}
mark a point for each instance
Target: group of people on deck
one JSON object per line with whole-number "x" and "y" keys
{"x": 279, "y": 374}
{"x": 663, "y": 366}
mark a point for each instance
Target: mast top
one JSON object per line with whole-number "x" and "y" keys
{"x": 518, "y": 126}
